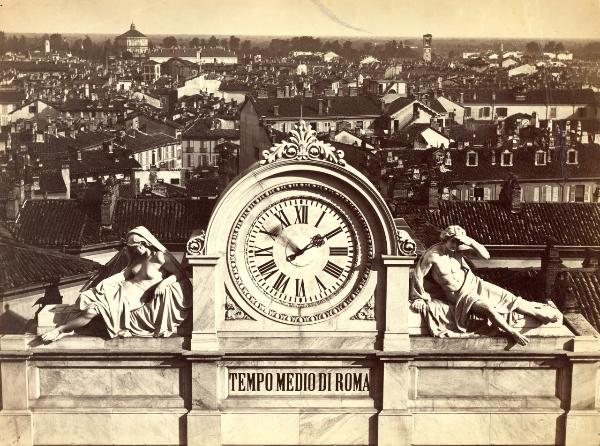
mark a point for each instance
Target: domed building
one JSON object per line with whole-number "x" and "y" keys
{"x": 133, "y": 42}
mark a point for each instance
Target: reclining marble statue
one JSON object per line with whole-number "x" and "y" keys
{"x": 449, "y": 296}
{"x": 150, "y": 297}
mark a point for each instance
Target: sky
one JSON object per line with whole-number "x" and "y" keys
{"x": 536, "y": 19}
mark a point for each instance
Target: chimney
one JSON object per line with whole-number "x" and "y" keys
{"x": 276, "y": 110}
{"x": 328, "y": 109}
{"x": 433, "y": 196}
{"x": 382, "y": 105}
{"x": 287, "y": 91}
{"x": 12, "y": 206}
{"x": 78, "y": 155}
{"x": 320, "y": 102}
{"x": 551, "y": 267}
{"x": 280, "y": 93}
{"x": 415, "y": 110}
{"x": 109, "y": 198}
{"x": 66, "y": 176}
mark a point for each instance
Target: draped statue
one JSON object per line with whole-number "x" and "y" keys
{"x": 150, "y": 297}
{"x": 447, "y": 293}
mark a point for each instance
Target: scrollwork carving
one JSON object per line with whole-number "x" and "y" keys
{"x": 303, "y": 145}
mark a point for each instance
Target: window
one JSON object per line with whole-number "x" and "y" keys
{"x": 472, "y": 159}
{"x": 555, "y": 191}
{"x": 478, "y": 193}
{"x": 313, "y": 125}
{"x": 467, "y": 112}
{"x": 487, "y": 193}
{"x": 283, "y": 127}
{"x": 572, "y": 156}
{"x": 484, "y": 112}
{"x": 536, "y": 194}
{"x": 540, "y": 158}
{"x": 506, "y": 159}
{"x": 359, "y": 124}
{"x": 502, "y": 112}
{"x": 552, "y": 112}
{"x": 580, "y": 193}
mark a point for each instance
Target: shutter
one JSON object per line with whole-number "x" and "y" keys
{"x": 555, "y": 190}
{"x": 487, "y": 193}
{"x": 536, "y": 194}
{"x": 571, "y": 191}
{"x": 586, "y": 196}
{"x": 548, "y": 193}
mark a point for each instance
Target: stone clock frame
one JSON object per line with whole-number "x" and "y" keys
{"x": 224, "y": 316}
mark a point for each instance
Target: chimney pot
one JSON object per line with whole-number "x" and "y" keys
{"x": 551, "y": 267}
{"x": 320, "y": 102}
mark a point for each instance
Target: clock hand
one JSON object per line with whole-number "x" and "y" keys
{"x": 315, "y": 241}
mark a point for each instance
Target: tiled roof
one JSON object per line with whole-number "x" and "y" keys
{"x": 547, "y": 96}
{"x": 52, "y": 182}
{"x": 173, "y": 52}
{"x": 171, "y": 220}
{"x": 22, "y": 265}
{"x": 11, "y": 97}
{"x": 216, "y": 52}
{"x": 529, "y": 284}
{"x": 524, "y": 167}
{"x": 586, "y": 291}
{"x": 58, "y": 223}
{"x": 341, "y": 106}
{"x": 131, "y": 33}
{"x": 137, "y": 141}
{"x": 201, "y": 129}
{"x": 492, "y": 223}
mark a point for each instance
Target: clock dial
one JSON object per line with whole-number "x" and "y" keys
{"x": 301, "y": 251}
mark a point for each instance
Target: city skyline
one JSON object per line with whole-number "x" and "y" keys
{"x": 538, "y": 19}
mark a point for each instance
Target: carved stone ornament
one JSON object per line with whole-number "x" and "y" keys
{"x": 197, "y": 244}
{"x": 367, "y": 312}
{"x": 303, "y": 145}
{"x": 232, "y": 311}
{"x": 406, "y": 245}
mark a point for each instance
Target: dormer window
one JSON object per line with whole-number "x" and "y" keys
{"x": 540, "y": 158}
{"x": 472, "y": 159}
{"x": 506, "y": 159}
{"x": 572, "y": 156}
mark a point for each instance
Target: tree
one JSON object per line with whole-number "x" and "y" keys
{"x": 88, "y": 48}
{"x": 532, "y": 48}
{"x": 234, "y": 43}
{"x": 212, "y": 42}
{"x": 56, "y": 42}
{"x": 169, "y": 42}
{"x": 550, "y": 47}
{"x": 195, "y": 42}
{"x": 22, "y": 44}
{"x": 559, "y": 47}
{"x": 246, "y": 46}
{"x": 223, "y": 43}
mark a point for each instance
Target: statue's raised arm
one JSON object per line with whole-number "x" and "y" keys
{"x": 151, "y": 296}
{"x": 443, "y": 269}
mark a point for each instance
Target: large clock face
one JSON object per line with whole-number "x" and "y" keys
{"x": 300, "y": 253}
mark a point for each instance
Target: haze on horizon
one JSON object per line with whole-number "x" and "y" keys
{"x": 510, "y": 19}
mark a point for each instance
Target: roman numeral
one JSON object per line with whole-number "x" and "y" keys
{"x": 335, "y": 251}
{"x": 263, "y": 231}
{"x": 268, "y": 269}
{"x": 320, "y": 284}
{"x": 301, "y": 214}
{"x": 333, "y": 233}
{"x": 333, "y": 269}
{"x": 264, "y": 252}
{"x": 283, "y": 219}
{"x": 281, "y": 282}
{"x": 319, "y": 220}
{"x": 300, "y": 291}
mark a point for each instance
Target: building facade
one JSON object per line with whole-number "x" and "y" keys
{"x": 133, "y": 42}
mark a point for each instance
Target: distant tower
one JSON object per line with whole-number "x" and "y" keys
{"x": 47, "y": 46}
{"x": 427, "y": 47}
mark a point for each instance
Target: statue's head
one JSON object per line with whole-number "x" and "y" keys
{"x": 448, "y": 237}
{"x": 140, "y": 241}
{"x": 138, "y": 245}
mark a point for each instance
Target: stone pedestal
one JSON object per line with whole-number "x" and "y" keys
{"x": 204, "y": 315}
